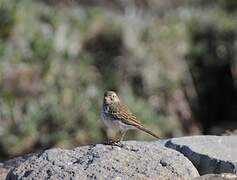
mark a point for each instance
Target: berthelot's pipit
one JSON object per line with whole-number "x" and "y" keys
{"x": 118, "y": 117}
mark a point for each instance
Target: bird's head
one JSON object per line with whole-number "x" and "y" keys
{"x": 110, "y": 97}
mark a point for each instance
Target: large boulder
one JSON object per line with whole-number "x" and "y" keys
{"x": 135, "y": 160}
{"x": 209, "y": 154}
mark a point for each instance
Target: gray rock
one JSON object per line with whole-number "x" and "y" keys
{"x": 224, "y": 176}
{"x": 209, "y": 154}
{"x": 136, "y": 160}
{"x": 16, "y": 161}
{"x": 12, "y": 163}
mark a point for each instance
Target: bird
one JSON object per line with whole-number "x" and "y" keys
{"x": 118, "y": 117}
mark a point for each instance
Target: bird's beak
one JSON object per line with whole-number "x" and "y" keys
{"x": 106, "y": 99}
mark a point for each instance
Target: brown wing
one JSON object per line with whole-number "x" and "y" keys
{"x": 121, "y": 112}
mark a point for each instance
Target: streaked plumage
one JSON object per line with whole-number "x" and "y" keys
{"x": 117, "y": 116}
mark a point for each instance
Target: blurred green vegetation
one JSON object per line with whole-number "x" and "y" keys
{"x": 56, "y": 61}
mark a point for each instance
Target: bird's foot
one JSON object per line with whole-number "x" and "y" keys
{"x": 114, "y": 143}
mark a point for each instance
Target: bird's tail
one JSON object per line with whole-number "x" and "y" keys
{"x": 148, "y": 131}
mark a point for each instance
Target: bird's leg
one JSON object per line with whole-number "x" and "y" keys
{"x": 112, "y": 141}
{"x": 122, "y": 135}
{"x": 117, "y": 141}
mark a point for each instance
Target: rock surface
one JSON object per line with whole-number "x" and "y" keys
{"x": 224, "y": 176}
{"x": 136, "y": 160}
{"x": 209, "y": 154}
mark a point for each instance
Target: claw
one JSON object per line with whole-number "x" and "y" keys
{"x": 114, "y": 143}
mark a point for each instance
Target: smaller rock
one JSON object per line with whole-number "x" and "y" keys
{"x": 209, "y": 154}
{"x": 12, "y": 163}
